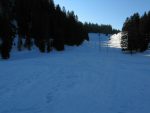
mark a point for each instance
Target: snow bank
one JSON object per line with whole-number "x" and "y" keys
{"x": 115, "y": 40}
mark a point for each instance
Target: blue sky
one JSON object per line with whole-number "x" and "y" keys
{"x": 112, "y": 12}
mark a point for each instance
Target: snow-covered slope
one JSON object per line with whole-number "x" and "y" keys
{"x": 85, "y": 79}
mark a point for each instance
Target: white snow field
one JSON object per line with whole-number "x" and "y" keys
{"x": 84, "y": 79}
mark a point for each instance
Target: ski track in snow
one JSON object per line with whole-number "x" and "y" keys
{"x": 84, "y": 79}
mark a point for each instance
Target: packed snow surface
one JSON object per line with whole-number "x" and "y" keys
{"x": 95, "y": 77}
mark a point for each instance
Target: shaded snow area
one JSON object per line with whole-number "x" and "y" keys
{"x": 84, "y": 79}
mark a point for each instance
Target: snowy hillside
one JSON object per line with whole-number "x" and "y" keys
{"x": 85, "y": 79}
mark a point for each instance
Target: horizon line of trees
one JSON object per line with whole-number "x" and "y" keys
{"x": 136, "y": 33}
{"x": 96, "y": 28}
{"x": 41, "y": 23}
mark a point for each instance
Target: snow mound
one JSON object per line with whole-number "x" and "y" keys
{"x": 115, "y": 40}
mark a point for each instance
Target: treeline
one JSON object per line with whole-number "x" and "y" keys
{"x": 40, "y": 23}
{"x": 105, "y": 29}
{"x": 136, "y": 33}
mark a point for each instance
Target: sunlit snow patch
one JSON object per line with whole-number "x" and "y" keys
{"x": 115, "y": 40}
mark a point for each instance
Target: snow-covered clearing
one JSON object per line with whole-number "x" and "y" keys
{"x": 85, "y": 79}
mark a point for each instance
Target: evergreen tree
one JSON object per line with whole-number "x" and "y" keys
{"x": 59, "y": 29}
{"x": 148, "y": 22}
{"x": 143, "y": 32}
{"x": 40, "y": 23}
{"x": 138, "y": 29}
{"x": 50, "y": 38}
{"x": 105, "y": 29}
{"x": 6, "y": 31}
{"x": 23, "y": 15}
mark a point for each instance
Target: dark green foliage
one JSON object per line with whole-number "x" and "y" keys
{"x": 138, "y": 32}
